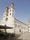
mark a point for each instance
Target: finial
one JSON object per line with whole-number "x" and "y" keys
{"x": 6, "y": 11}
{"x": 12, "y": 5}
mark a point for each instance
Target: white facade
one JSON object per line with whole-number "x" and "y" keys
{"x": 10, "y": 21}
{"x": 22, "y": 27}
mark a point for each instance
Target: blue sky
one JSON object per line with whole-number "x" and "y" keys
{"x": 22, "y": 9}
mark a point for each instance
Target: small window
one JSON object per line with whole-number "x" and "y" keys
{"x": 20, "y": 30}
{"x": 6, "y": 19}
{"x": 10, "y": 13}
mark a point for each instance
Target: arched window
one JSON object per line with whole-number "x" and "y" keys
{"x": 10, "y": 13}
{"x": 6, "y": 19}
{"x": 20, "y": 30}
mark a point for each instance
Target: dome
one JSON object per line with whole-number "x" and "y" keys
{"x": 12, "y": 5}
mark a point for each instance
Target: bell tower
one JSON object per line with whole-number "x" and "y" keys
{"x": 11, "y": 12}
{"x": 5, "y": 16}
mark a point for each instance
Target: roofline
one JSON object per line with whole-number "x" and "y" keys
{"x": 21, "y": 22}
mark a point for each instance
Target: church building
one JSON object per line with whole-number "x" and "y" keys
{"x": 10, "y": 21}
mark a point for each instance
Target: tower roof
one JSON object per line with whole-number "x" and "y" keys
{"x": 12, "y": 5}
{"x": 6, "y": 8}
{"x": 6, "y": 11}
